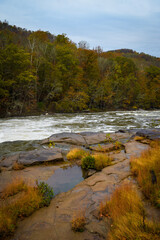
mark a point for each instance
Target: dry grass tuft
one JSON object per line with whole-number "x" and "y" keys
{"x": 101, "y": 160}
{"x": 130, "y": 226}
{"x": 13, "y": 188}
{"x": 147, "y": 168}
{"x": 124, "y": 199}
{"x": 18, "y": 200}
{"x": 18, "y": 166}
{"x": 128, "y": 216}
{"x": 78, "y": 222}
{"x": 138, "y": 138}
{"x": 76, "y": 153}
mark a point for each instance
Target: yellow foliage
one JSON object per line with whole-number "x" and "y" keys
{"x": 13, "y": 188}
{"x": 147, "y": 169}
{"x": 126, "y": 210}
{"x": 76, "y": 153}
{"x": 101, "y": 160}
{"x": 18, "y": 166}
{"x": 25, "y": 201}
{"x": 78, "y": 222}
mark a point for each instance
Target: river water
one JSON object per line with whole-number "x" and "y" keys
{"x": 39, "y": 127}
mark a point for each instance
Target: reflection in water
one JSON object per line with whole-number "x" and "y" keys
{"x": 65, "y": 179}
{"x": 39, "y": 127}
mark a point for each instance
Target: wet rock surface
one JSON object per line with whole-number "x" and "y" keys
{"x": 53, "y": 222}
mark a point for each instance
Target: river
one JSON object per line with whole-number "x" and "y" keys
{"x": 39, "y": 127}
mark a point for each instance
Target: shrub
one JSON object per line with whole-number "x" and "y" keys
{"x": 47, "y": 193}
{"x": 101, "y": 161}
{"x": 88, "y": 162}
{"x": 78, "y": 222}
{"x": 76, "y": 153}
{"x": 147, "y": 168}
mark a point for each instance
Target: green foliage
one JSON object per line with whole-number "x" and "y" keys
{"x": 117, "y": 145}
{"x": 51, "y": 144}
{"x": 43, "y": 72}
{"x": 88, "y": 162}
{"x": 108, "y": 138}
{"x": 47, "y": 193}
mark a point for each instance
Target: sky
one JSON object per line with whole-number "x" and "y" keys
{"x": 111, "y": 24}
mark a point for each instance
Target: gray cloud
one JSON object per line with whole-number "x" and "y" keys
{"x": 111, "y": 24}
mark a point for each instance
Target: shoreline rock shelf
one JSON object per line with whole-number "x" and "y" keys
{"x": 53, "y": 222}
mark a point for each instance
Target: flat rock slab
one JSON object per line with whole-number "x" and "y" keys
{"x": 117, "y": 157}
{"x": 85, "y": 138}
{"x": 54, "y": 222}
{"x": 29, "y": 174}
{"x": 103, "y": 148}
{"x": 40, "y": 156}
{"x": 94, "y": 137}
{"x": 32, "y": 157}
{"x": 8, "y": 161}
{"x": 71, "y": 138}
{"x": 135, "y": 148}
{"x": 152, "y": 134}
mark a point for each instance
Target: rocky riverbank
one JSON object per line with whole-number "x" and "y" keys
{"x": 46, "y": 156}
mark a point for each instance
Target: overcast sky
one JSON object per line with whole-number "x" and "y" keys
{"x": 111, "y": 24}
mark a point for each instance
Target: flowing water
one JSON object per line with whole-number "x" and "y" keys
{"x": 22, "y": 130}
{"x": 39, "y": 127}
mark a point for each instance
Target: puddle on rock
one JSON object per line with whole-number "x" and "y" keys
{"x": 65, "y": 179}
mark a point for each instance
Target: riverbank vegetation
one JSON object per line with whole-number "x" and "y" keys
{"x": 76, "y": 153}
{"x": 146, "y": 168}
{"x": 96, "y": 161}
{"x": 42, "y": 72}
{"x": 19, "y": 200}
{"x": 127, "y": 216}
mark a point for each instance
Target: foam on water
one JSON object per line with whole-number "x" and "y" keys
{"x": 39, "y": 127}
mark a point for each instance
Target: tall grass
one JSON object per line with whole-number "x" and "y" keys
{"x": 128, "y": 216}
{"x": 18, "y": 200}
{"x": 147, "y": 170}
{"x": 13, "y": 188}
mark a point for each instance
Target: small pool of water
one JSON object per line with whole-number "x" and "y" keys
{"x": 65, "y": 179}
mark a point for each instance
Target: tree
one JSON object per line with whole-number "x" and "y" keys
{"x": 83, "y": 45}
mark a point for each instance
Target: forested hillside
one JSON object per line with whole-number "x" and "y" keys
{"x": 42, "y": 72}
